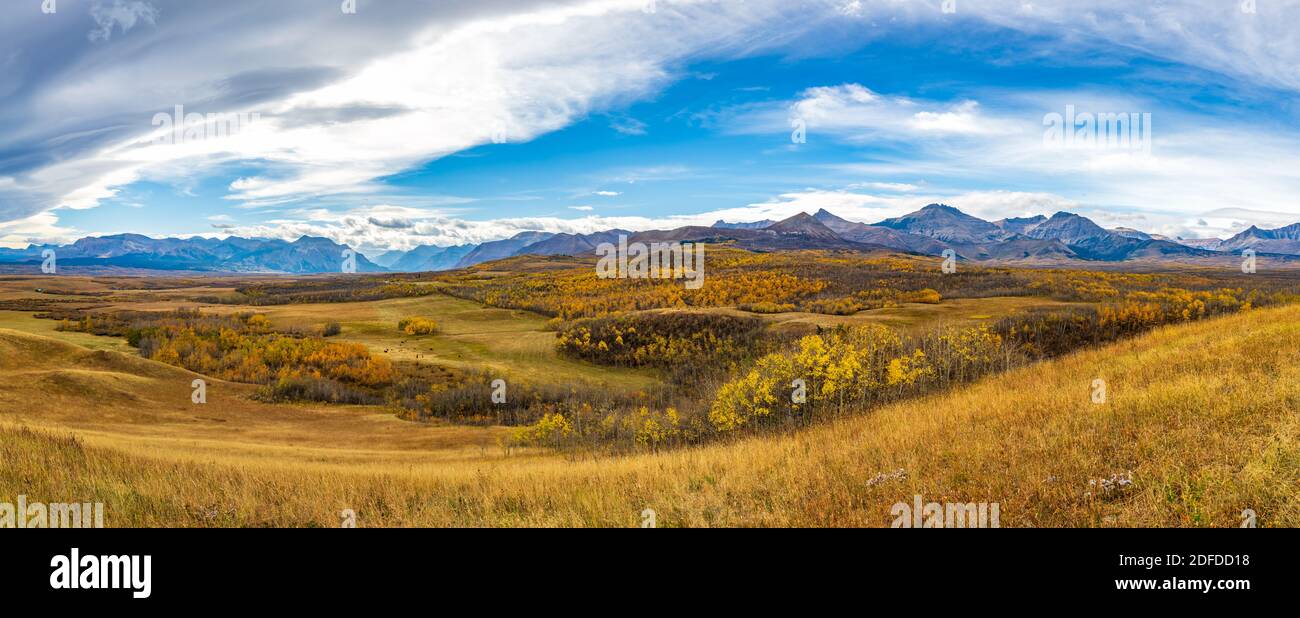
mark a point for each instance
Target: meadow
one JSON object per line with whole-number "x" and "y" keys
{"x": 973, "y": 389}
{"x": 1201, "y": 417}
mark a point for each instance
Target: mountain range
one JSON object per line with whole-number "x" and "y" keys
{"x": 931, "y": 230}
{"x": 1281, "y": 240}
{"x": 308, "y": 254}
{"x": 424, "y": 258}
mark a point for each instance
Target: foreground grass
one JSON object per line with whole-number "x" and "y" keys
{"x": 23, "y": 321}
{"x": 1204, "y": 417}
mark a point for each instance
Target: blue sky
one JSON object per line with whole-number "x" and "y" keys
{"x": 408, "y": 123}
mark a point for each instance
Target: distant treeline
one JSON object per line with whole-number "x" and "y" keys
{"x": 340, "y": 289}
{"x": 827, "y": 282}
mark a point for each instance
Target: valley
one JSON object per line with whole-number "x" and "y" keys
{"x": 86, "y": 401}
{"x": 1201, "y": 438}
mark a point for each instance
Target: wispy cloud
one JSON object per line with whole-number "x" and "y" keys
{"x": 121, "y": 14}
{"x": 628, "y": 126}
{"x": 349, "y": 102}
{"x": 433, "y": 84}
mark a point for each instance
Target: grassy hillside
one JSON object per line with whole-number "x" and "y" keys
{"x": 120, "y": 399}
{"x": 513, "y": 342}
{"x": 1203, "y": 417}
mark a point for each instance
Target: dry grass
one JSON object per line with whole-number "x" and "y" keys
{"x": 509, "y": 342}
{"x": 1205, "y": 417}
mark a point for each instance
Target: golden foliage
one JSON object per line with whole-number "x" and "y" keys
{"x": 418, "y": 326}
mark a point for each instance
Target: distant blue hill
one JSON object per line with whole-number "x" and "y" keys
{"x": 306, "y": 255}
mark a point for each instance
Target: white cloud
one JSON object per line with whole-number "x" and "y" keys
{"x": 854, "y": 113}
{"x": 123, "y": 15}
{"x": 1225, "y": 222}
{"x": 1195, "y": 164}
{"x": 454, "y": 77}
{"x": 628, "y": 126}
{"x": 1257, "y": 47}
{"x": 852, "y": 9}
{"x": 872, "y": 208}
{"x": 961, "y": 118}
{"x": 582, "y": 208}
{"x": 382, "y": 228}
{"x": 896, "y": 187}
{"x": 509, "y": 76}
{"x": 41, "y": 228}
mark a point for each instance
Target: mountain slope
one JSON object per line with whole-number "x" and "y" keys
{"x": 752, "y": 225}
{"x": 928, "y": 231}
{"x": 1019, "y": 225}
{"x": 798, "y": 235}
{"x": 306, "y": 255}
{"x": 804, "y": 224}
{"x": 1093, "y": 242}
{"x": 1129, "y": 232}
{"x": 572, "y": 244}
{"x": 388, "y": 258}
{"x": 430, "y": 258}
{"x": 1018, "y": 248}
{"x": 883, "y": 236}
{"x": 1281, "y": 240}
{"x": 1070, "y": 229}
{"x": 946, "y": 223}
{"x": 497, "y": 249}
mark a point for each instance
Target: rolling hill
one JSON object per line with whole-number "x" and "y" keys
{"x": 1201, "y": 417}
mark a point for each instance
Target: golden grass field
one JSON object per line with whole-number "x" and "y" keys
{"x": 505, "y": 341}
{"x": 1205, "y": 417}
